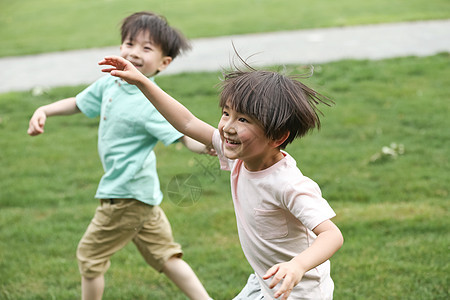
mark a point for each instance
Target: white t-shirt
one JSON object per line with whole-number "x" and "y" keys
{"x": 276, "y": 210}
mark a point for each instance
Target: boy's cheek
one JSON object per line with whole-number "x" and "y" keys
{"x": 220, "y": 127}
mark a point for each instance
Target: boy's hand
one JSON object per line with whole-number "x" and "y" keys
{"x": 210, "y": 151}
{"x": 122, "y": 68}
{"x": 37, "y": 122}
{"x": 291, "y": 275}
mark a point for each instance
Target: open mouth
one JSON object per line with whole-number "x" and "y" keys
{"x": 137, "y": 65}
{"x": 232, "y": 142}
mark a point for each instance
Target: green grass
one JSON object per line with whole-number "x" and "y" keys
{"x": 30, "y": 26}
{"x": 393, "y": 212}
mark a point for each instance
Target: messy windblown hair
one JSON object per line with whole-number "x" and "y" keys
{"x": 280, "y": 103}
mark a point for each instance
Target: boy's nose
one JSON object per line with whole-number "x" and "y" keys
{"x": 230, "y": 127}
{"x": 134, "y": 52}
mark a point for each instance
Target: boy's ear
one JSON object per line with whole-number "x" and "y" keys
{"x": 276, "y": 143}
{"x": 166, "y": 60}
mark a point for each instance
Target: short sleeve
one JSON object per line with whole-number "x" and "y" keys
{"x": 160, "y": 128}
{"x": 304, "y": 200}
{"x": 89, "y": 101}
{"x": 225, "y": 163}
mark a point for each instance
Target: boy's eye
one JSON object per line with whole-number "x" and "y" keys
{"x": 129, "y": 44}
{"x": 244, "y": 120}
{"x": 147, "y": 48}
{"x": 225, "y": 113}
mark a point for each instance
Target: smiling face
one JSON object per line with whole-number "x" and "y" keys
{"x": 244, "y": 138}
{"x": 147, "y": 57}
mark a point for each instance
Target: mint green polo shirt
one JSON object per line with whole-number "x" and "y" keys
{"x": 129, "y": 129}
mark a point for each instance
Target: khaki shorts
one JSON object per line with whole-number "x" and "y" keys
{"x": 119, "y": 221}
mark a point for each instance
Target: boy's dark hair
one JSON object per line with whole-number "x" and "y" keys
{"x": 280, "y": 103}
{"x": 171, "y": 41}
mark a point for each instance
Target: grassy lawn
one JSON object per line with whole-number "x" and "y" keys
{"x": 393, "y": 211}
{"x": 30, "y": 26}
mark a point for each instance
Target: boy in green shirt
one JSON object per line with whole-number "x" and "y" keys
{"x": 129, "y": 190}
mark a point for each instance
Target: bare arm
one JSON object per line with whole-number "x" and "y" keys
{"x": 62, "y": 107}
{"x": 329, "y": 240}
{"x": 197, "y": 147}
{"x": 173, "y": 111}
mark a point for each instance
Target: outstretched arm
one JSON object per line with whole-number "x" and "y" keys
{"x": 329, "y": 240}
{"x": 197, "y": 147}
{"x": 63, "y": 107}
{"x": 174, "y": 112}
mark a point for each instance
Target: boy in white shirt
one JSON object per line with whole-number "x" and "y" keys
{"x": 283, "y": 222}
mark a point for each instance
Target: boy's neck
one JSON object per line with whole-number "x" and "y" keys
{"x": 262, "y": 163}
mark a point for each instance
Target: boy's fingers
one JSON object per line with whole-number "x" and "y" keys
{"x": 276, "y": 279}
{"x": 286, "y": 295}
{"x": 113, "y": 59}
{"x": 103, "y": 62}
{"x": 33, "y": 130}
{"x": 116, "y": 73}
{"x": 33, "y": 124}
{"x": 285, "y": 288}
{"x": 36, "y": 126}
{"x": 108, "y": 61}
{"x": 108, "y": 70}
{"x": 39, "y": 122}
{"x": 270, "y": 272}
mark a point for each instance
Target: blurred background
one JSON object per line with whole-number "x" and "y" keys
{"x": 30, "y": 27}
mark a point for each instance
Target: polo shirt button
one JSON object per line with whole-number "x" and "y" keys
{"x": 104, "y": 118}
{"x": 110, "y": 99}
